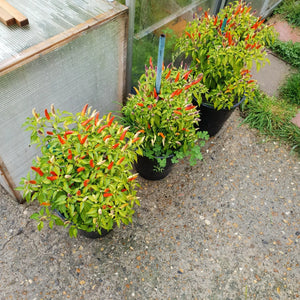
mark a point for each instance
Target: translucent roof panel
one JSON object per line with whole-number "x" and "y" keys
{"x": 47, "y": 18}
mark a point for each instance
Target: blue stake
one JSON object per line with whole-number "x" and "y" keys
{"x": 160, "y": 59}
{"x": 224, "y": 24}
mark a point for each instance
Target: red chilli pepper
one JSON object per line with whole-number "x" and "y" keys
{"x": 123, "y": 190}
{"x": 92, "y": 163}
{"x": 177, "y": 77}
{"x": 80, "y": 169}
{"x": 52, "y": 178}
{"x": 107, "y": 194}
{"x": 186, "y": 75}
{"x": 216, "y": 20}
{"x": 83, "y": 139}
{"x": 123, "y": 135}
{"x": 168, "y": 75}
{"x": 149, "y": 127}
{"x": 115, "y": 146}
{"x": 32, "y": 181}
{"x": 88, "y": 127}
{"x": 87, "y": 121}
{"x": 38, "y": 170}
{"x": 50, "y": 132}
{"x": 110, "y": 165}
{"x": 84, "y": 110}
{"x": 140, "y": 104}
{"x": 110, "y": 121}
{"x": 96, "y": 118}
{"x": 190, "y": 107}
{"x": 102, "y": 127}
{"x": 46, "y": 114}
{"x": 78, "y": 193}
{"x": 155, "y": 93}
{"x": 70, "y": 154}
{"x": 85, "y": 183}
{"x": 206, "y": 15}
{"x": 53, "y": 173}
{"x": 247, "y": 46}
{"x": 188, "y": 34}
{"x": 62, "y": 141}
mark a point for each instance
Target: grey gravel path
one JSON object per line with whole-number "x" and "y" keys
{"x": 227, "y": 228}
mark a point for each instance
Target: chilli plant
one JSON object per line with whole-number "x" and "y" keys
{"x": 167, "y": 118}
{"x": 83, "y": 172}
{"x": 223, "y": 48}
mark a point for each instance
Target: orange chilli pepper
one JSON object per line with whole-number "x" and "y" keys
{"x": 177, "y": 112}
{"x": 120, "y": 160}
{"x": 45, "y": 204}
{"x": 84, "y": 110}
{"x": 96, "y": 118}
{"x": 106, "y": 137}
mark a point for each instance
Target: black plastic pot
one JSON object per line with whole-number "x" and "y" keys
{"x": 147, "y": 168}
{"x": 212, "y": 120}
{"x": 91, "y": 235}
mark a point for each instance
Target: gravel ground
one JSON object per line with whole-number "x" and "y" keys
{"x": 227, "y": 228}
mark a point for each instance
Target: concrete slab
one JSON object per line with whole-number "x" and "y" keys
{"x": 272, "y": 75}
{"x": 227, "y": 228}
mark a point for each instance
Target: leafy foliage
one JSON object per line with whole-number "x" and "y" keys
{"x": 84, "y": 170}
{"x": 290, "y": 10}
{"x": 272, "y": 117}
{"x": 290, "y": 90}
{"x": 288, "y": 51}
{"x": 167, "y": 119}
{"x": 223, "y": 48}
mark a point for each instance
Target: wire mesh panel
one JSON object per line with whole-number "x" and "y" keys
{"x": 68, "y": 62}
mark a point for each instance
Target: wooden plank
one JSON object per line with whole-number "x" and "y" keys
{"x": 4, "y": 172}
{"x": 21, "y": 20}
{"x": 6, "y": 18}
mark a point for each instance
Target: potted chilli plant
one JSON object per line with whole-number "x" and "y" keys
{"x": 166, "y": 119}
{"x": 223, "y": 48}
{"x": 83, "y": 172}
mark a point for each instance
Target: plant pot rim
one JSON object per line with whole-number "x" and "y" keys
{"x": 207, "y": 104}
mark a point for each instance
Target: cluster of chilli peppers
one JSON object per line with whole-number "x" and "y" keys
{"x": 87, "y": 124}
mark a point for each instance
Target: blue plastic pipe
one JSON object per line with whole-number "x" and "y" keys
{"x": 160, "y": 59}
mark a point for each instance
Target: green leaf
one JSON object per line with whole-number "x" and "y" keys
{"x": 40, "y": 226}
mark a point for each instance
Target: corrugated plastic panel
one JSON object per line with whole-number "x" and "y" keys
{"x": 47, "y": 18}
{"x": 88, "y": 68}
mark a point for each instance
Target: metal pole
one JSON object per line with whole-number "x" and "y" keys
{"x": 131, "y": 7}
